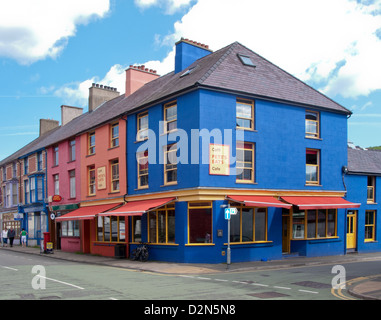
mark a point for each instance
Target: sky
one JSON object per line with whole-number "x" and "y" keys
{"x": 51, "y": 51}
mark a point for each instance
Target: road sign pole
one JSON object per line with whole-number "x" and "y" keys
{"x": 228, "y": 250}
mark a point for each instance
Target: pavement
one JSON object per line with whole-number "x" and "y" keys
{"x": 368, "y": 288}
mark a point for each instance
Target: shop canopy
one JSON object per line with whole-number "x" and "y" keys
{"x": 310, "y": 203}
{"x": 137, "y": 208}
{"x": 87, "y": 213}
{"x": 259, "y": 201}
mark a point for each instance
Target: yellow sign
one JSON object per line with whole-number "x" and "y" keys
{"x": 101, "y": 178}
{"x": 49, "y": 245}
{"x": 219, "y": 159}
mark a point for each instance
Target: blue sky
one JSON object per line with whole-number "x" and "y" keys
{"x": 52, "y": 50}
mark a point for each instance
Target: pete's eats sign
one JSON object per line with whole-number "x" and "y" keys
{"x": 219, "y": 161}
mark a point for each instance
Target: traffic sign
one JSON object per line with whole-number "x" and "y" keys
{"x": 229, "y": 212}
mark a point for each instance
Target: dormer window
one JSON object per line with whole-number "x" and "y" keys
{"x": 246, "y": 60}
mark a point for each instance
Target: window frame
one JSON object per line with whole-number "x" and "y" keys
{"x": 139, "y": 156}
{"x": 113, "y": 164}
{"x": 90, "y": 143}
{"x": 114, "y": 136}
{"x": 250, "y": 103}
{"x": 72, "y": 184}
{"x": 312, "y": 135}
{"x": 196, "y": 206}
{"x": 111, "y": 220}
{"x": 163, "y": 210}
{"x": 317, "y": 166}
{"x": 371, "y": 187}
{"x": 166, "y": 121}
{"x": 370, "y": 225}
{"x": 139, "y": 130}
{"x": 91, "y": 184}
{"x": 252, "y": 168}
{"x": 72, "y": 147}
{"x": 167, "y": 149}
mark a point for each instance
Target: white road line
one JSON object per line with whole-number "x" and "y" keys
{"x": 9, "y": 268}
{"x": 111, "y": 298}
{"x": 307, "y": 291}
{"x": 66, "y": 283}
{"x": 223, "y": 280}
{"x": 204, "y": 278}
{"x": 259, "y": 284}
{"x": 286, "y": 288}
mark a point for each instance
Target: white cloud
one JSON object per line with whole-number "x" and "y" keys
{"x": 33, "y": 30}
{"x": 333, "y": 44}
{"x": 171, "y": 6}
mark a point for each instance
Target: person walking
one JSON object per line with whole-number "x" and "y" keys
{"x": 5, "y": 236}
{"x": 11, "y": 236}
{"x": 23, "y": 235}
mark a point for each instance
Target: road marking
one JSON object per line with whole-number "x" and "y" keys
{"x": 259, "y": 284}
{"x": 204, "y": 278}
{"x": 62, "y": 282}
{"x": 285, "y": 288}
{"x": 111, "y": 298}
{"x": 9, "y": 268}
{"x": 308, "y": 291}
{"x": 222, "y": 280}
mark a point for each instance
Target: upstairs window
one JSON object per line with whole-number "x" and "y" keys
{"x": 170, "y": 164}
{"x": 245, "y": 114}
{"x": 312, "y": 124}
{"x": 114, "y": 175}
{"x": 371, "y": 189}
{"x": 245, "y": 162}
{"x": 246, "y": 60}
{"x": 170, "y": 116}
{"x": 55, "y": 156}
{"x": 312, "y": 166}
{"x": 142, "y": 158}
{"x": 142, "y": 133}
{"x": 91, "y": 180}
{"x": 72, "y": 150}
{"x": 91, "y": 143}
{"x": 114, "y": 135}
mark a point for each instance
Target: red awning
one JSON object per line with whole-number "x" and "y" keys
{"x": 137, "y": 208}
{"x": 260, "y": 201}
{"x": 306, "y": 203}
{"x": 87, "y": 213}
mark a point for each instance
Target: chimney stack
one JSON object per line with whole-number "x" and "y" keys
{"x": 187, "y": 52}
{"x": 47, "y": 124}
{"x": 137, "y": 77}
{"x": 99, "y": 94}
{"x": 69, "y": 113}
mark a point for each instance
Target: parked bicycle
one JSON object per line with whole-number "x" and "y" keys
{"x": 140, "y": 253}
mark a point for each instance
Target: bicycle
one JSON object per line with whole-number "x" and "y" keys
{"x": 140, "y": 253}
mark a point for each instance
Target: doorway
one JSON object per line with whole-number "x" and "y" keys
{"x": 286, "y": 233}
{"x": 352, "y": 230}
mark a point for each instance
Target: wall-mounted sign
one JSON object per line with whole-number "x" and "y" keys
{"x": 101, "y": 178}
{"x": 56, "y": 198}
{"x": 219, "y": 159}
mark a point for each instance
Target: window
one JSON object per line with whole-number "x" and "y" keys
{"x": 26, "y": 191}
{"x": 142, "y": 159}
{"x": 370, "y": 225}
{"x": 56, "y": 182}
{"x": 111, "y": 229}
{"x": 246, "y": 60}
{"x": 114, "y": 135}
{"x": 245, "y": 162}
{"x": 371, "y": 189}
{"x": 72, "y": 186}
{"x": 248, "y": 225}
{"x": 161, "y": 225}
{"x": 312, "y": 124}
{"x": 314, "y": 224}
{"x": 91, "y": 143}
{"x": 142, "y": 133}
{"x": 55, "y": 156}
{"x": 200, "y": 222}
{"x": 170, "y": 117}
{"x": 170, "y": 164}
{"x": 312, "y": 166}
{"x": 70, "y": 228}
{"x": 91, "y": 182}
{"x": 136, "y": 229}
{"x": 33, "y": 189}
{"x": 245, "y": 114}
{"x": 39, "y": 161}
{"x": 72, "y": 150}
{"x": 114, "y": 175}
{"x": 26, "y": 166}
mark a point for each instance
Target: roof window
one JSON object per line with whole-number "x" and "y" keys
{"x": 246, "y": 60}
{"x": 189, "y": 71}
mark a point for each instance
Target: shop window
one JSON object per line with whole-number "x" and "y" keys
{"x": 314, "y": 224}
{"x": 312, "y": 166}
{"x": 111, "y": 229}
{"x": 161, "y": 225}
{"x": 70, "y": 228}
{"x": 248, "y": 225}
{"x": 200, "y": 222}
{"x": 142, "y": 133}
{"x": 312, "y": 124}
{"x": 370, "y": 226}
{"x": 245, "y": 162}
{"x": 142, "y": 159}
{"x": 136, "y": 229}
{"x": 245, "y": 114}
{"x": 170, "y": 117}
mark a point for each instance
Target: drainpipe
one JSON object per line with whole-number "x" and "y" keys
{"x": 127, "y": 227}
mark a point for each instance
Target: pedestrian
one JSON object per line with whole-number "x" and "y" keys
{"x": 23, "y": 235}
{"x": 5, "y": 237}
{"x": 11, "y": 236}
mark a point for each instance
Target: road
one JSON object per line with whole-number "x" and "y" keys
{"x": 33, "y": 277}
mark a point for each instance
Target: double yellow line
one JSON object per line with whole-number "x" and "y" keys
{"x": 339, "y": 292}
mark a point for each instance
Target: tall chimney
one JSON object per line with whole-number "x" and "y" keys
{"x": 47, "y": 124}
{"x": 187, "y": 52}
{"x": 137, "y": 77}
{"x": 69, "y": 113}
{"x": 99, "y": 94}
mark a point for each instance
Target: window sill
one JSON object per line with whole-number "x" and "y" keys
{"x": 247, "y": 129}
{"x": 245, "y": 182}
{"x": 199, "y": 244}
{"x": 169, "y": 184}
{"x": 314, "y": 138}
{"x": 141, "y": 188}
{"x": 112, "y": 148}
{"x": 371, "y": 202}
{"x": 313, "y": 185}
{"x": 251, "y": 242}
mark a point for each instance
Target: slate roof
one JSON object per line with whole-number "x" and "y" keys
{"x": 364, "y": 161}
{"x": 221, "y": 70}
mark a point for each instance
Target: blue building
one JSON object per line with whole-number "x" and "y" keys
{"x": 231, "y": 128}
